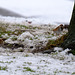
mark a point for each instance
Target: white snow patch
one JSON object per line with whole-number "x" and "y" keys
{"x": 43, "y": 64}
{"x": 25, "y": 35}
{"x": 5, "y": 36}
{"x": 58, "y": 49}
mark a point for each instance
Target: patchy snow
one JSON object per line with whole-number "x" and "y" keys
{"x": 58, "y": 49}
{"x": 37, "y": 64}
{"x": 13, "y": 62}
{"x": 25, "y": 35}
{"x": 33, "y": 36}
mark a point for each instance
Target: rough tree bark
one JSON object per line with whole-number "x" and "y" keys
{"x": 70, "y": 41}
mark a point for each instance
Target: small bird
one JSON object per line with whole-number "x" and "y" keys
{"x": 58, "y": 29}
{"x": 29, "y": 22}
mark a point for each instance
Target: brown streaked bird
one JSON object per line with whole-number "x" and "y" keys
{"x": 58, "y": 29}
{"x": 29, "y": 22}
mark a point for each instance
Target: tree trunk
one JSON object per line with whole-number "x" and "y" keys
{"x": 70, "y": 41}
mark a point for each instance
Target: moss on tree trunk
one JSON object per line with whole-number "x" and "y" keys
{"x": 70, "y": 41}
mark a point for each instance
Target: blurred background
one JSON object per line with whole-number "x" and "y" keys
{"x": 46, "y": 11}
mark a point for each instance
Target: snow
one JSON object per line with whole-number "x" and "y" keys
{"x": 37, "y": 34}
{"x": 58, "y": 49}
{"x": 25, "y": 35}
{"x": 40, "y": 64}
{"x": 26, "y": 63}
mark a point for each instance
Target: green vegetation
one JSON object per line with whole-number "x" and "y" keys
{"x": 14, "y": 57}
{"x": 4, "y": 26}
{"x": 3, "y": 29}
{"x": 6, "y": 62}
{"x": 14, "y": 38}
{"x": 28, "y": 69}
{"x": 3, "y": 68}
{"x": 29, "y": 63}
{"x": 73, "y": 73}
{"x": 31, "y": 38}
{"x": 26, "y": 55}
{"x": 8, "y": 45}
{"x": 54, "y": 53}
{"x": 22, "y": 26}
{"x": 36, "y": 37}
{"x": 55, "y": 43}
{"x": 18, "y": 32}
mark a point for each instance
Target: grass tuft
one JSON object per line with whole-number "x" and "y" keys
{"x": 56, "y": 43}
{"x": 28, "y": 69}
{"x": 3, "y": 68}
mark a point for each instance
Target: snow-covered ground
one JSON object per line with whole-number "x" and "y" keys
{"x": 37, "y": 64}
{"x": 33, "y": 36}
{"x": 36, "y": 34}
